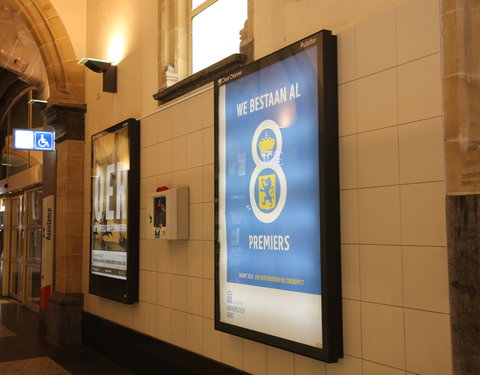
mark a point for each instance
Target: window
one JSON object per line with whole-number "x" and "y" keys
{"x": 215, "y": 30}
{"x": 194, "y": 34}
{"x": 20, "y": 115}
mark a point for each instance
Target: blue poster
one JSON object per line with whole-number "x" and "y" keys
{"x": 272, "y": 218}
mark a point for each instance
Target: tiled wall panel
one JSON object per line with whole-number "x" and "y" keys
{"x": 392, "y": 179}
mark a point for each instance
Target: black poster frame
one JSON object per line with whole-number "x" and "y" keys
{"x": 330, "y": 267}
{"x": 124, "y": 291}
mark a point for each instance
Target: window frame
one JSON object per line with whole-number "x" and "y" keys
{"x": 195, "y": 12}
{"x": 31, "y": 93}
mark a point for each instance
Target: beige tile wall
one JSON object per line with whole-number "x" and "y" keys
{"x": 395, "y": 277}
{"x": 394, "y": 259}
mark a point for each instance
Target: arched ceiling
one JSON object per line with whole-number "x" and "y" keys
{"x": 19, "y": 53}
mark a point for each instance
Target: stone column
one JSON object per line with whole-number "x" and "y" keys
{"x": 246, "y": 36}
{"x": 65, "y": 306}
{"x": 173, "y": 50}
{"x": 461, "y": 89}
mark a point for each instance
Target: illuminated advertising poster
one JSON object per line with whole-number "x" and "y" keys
{"x": 111, "y": 220}
{"x": 110, "y": 216}
{"x": 277, "y": 191}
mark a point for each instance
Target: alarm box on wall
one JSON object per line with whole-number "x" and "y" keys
{"x": 167, "y": 214}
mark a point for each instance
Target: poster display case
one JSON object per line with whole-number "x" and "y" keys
{"x": 277, "y": 274}
{"x": 114, "y": 242}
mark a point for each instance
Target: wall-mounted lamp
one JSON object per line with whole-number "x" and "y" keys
{"x": 39, "y": 104}
{"x": 101, "y": 66}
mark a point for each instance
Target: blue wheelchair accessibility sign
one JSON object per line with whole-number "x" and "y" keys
{"x": 44, "y": 141}
{"x": 38, "y": 140}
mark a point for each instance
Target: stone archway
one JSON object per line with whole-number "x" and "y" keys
{"x": 66, "y": 79}
{"x": 65, "y": 114}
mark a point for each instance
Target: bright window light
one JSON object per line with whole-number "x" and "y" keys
{"x": 196, "y": 3}
{"x": 216, "y": 32}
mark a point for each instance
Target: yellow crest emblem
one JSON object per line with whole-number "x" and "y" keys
{"x": 267, "y": 198}
{"x": 266, "y": 146}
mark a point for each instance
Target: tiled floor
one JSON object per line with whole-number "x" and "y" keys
{"x": 21, "y": 339}
{"x": 32, "y": 366}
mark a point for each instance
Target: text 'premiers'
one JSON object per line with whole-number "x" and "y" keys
{"x": 269, "y": 242}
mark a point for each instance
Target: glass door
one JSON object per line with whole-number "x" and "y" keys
{"x": 26, "y": 248}
{"x": 17, "y": 248}
{"x": 34, "y": 248}
{"x": 2, "y": 245}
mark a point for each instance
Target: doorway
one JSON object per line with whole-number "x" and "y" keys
{"x": 2, "y": 242}
{"x": 26, "y": 247}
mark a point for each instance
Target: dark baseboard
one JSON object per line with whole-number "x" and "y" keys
{"x": 143, "y": 354}
{"x": 463, "y": 228}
